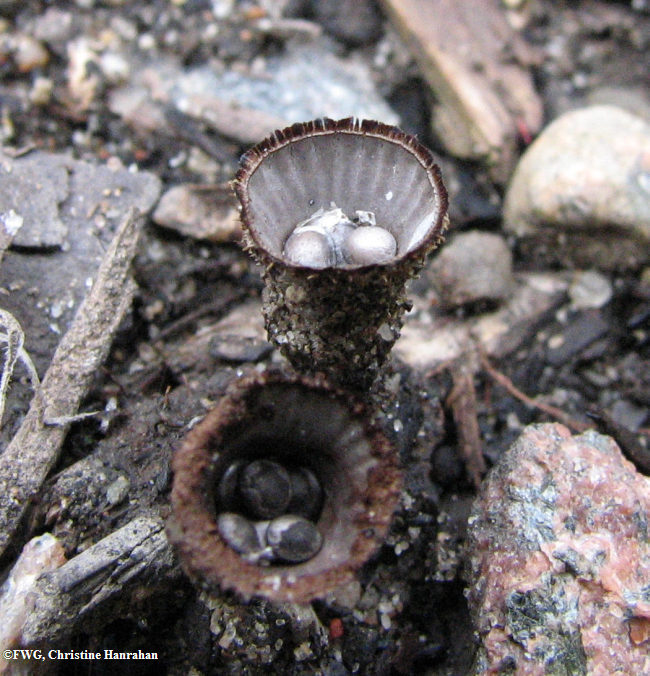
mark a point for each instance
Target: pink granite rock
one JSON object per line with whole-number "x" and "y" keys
{"x": 560, "y": 559}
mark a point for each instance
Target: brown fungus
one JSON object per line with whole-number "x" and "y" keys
{"x": 339, "y": 313}
{"x": 300, "y": 421}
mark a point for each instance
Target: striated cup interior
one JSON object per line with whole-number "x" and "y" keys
{"x": 365, "y": 166}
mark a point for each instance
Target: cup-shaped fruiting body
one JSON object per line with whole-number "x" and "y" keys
{"x": 342, "y": 469}
{"x": 340, "y": 214}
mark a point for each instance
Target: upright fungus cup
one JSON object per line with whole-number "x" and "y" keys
{"x": 340, "y": 214}
{"x": 291, "y": 421}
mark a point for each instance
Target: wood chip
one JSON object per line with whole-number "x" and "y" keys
{"x": 83, "y": 590}
{"x": 462, "y": 400}
{"x": 476, "y": 65}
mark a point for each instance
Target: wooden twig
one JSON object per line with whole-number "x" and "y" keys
{"x": 462, "y": 401}
{"x": 82, "y": 590}
{"x": 552, "y": 411}
{"x": 35, "y": 448}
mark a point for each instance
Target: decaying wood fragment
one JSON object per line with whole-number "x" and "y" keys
{"x": 462, "y": 401}
{"x": 83, "y": 589}
{"x": 476, "y": 65}
{"x": 35, "y": 448}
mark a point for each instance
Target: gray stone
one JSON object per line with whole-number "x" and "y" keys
{"x": 590, "y": 289}
{"x": 629, "y": 415}
{"x": 581, "y": 192}
{"x": 70, "y": 212}
{"x": 34, "y": 187}
{"x": 474, "y": 267}
{"x": 118, "y": 490}
{"x": 239, "y": 349}
{"x": 355, "y": 22}
{"x": 203, "y": 214}
{"x": 303, "y": 83}
{"x": 581, "y": 331}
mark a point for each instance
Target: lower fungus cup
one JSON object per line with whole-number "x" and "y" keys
{"x": 299, "y": 421}
{"x": 339, "y": 315}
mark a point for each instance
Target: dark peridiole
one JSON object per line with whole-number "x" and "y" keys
{"x": 299, "y": 422}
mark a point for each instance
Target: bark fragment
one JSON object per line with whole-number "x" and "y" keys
{"x": 35, "y": 448}
{"x": 136, "y": 555}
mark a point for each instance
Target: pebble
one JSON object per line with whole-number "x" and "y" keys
{"x": 300, "y": 82}
{"x": 559, "y": 558}
{"x": 629, "y": 415}
{"x": 579, "y": 333}
{"x": 293, "y": 538}
{"x": 239, "y": 349}
{"x": 265, "y": 488}
{"x": 354, "y": 22}
{"x": 41, "y": 92}
{"x": 474, "y": 267}
{"x": 117, "y": 491}
{"x": 585, "y": 181}
{"x": 29, "y": 53}
{"x": 199, "y": 213}
{"x": 590, "y": 289}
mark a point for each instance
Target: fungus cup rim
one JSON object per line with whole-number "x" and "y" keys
{"x": 280, "y": 138}
{"x": 192, "y": 528}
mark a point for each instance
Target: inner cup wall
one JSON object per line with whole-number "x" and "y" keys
{"x": 356, "y": 172}
{"x": 312, "y": 430}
